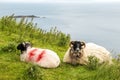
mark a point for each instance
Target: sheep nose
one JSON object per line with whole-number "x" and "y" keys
{"x": 77, "y": 49}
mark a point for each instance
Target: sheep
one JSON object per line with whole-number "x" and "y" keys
{"x": 43, "y": 57}
{"x": 79, "y": 52}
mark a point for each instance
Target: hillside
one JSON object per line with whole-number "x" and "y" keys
{"x": 13, "y": 32}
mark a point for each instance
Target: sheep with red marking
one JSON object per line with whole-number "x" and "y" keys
{"x": 79, "y": 52}
{"x": 43, "y": 57}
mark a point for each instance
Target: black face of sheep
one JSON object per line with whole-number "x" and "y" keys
{"x": 23, "y": 46}
{"x": 76, "y": 48}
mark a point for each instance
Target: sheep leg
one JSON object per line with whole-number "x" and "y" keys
{"x": 74, "y": 59}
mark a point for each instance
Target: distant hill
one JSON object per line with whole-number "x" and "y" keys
{"x": 25, "y": 16}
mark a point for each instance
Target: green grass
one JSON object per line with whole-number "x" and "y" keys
{"x": 11, "y": 68}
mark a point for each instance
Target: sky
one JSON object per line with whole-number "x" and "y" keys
{"x": 59, "y": 1}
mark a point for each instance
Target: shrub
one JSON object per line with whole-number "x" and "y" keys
{"x": 10, "y": 47}
{"x": 32, "y": 73}
{"x": 63, "y": 41}
{"x": 92, "y": 63}
{"x": 26, "y": 29}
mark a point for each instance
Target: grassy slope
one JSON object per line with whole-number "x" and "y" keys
{"x": 11, "y": 68}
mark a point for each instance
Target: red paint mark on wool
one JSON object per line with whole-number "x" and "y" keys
{"x": 40, "y": 56}
{"x": 31, "y": 54}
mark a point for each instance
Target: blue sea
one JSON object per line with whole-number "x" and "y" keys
{"x": 90, "y": 22}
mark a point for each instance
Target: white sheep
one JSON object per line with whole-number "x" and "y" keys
{"x": 79, "y": 52}
{"x": 43, "y": 57}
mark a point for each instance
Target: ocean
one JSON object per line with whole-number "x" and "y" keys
{"x": 90, "y": 22}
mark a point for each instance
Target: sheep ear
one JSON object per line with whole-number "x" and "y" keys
{"x": 83, "y": 44}
{"x": 71, "y": 43}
